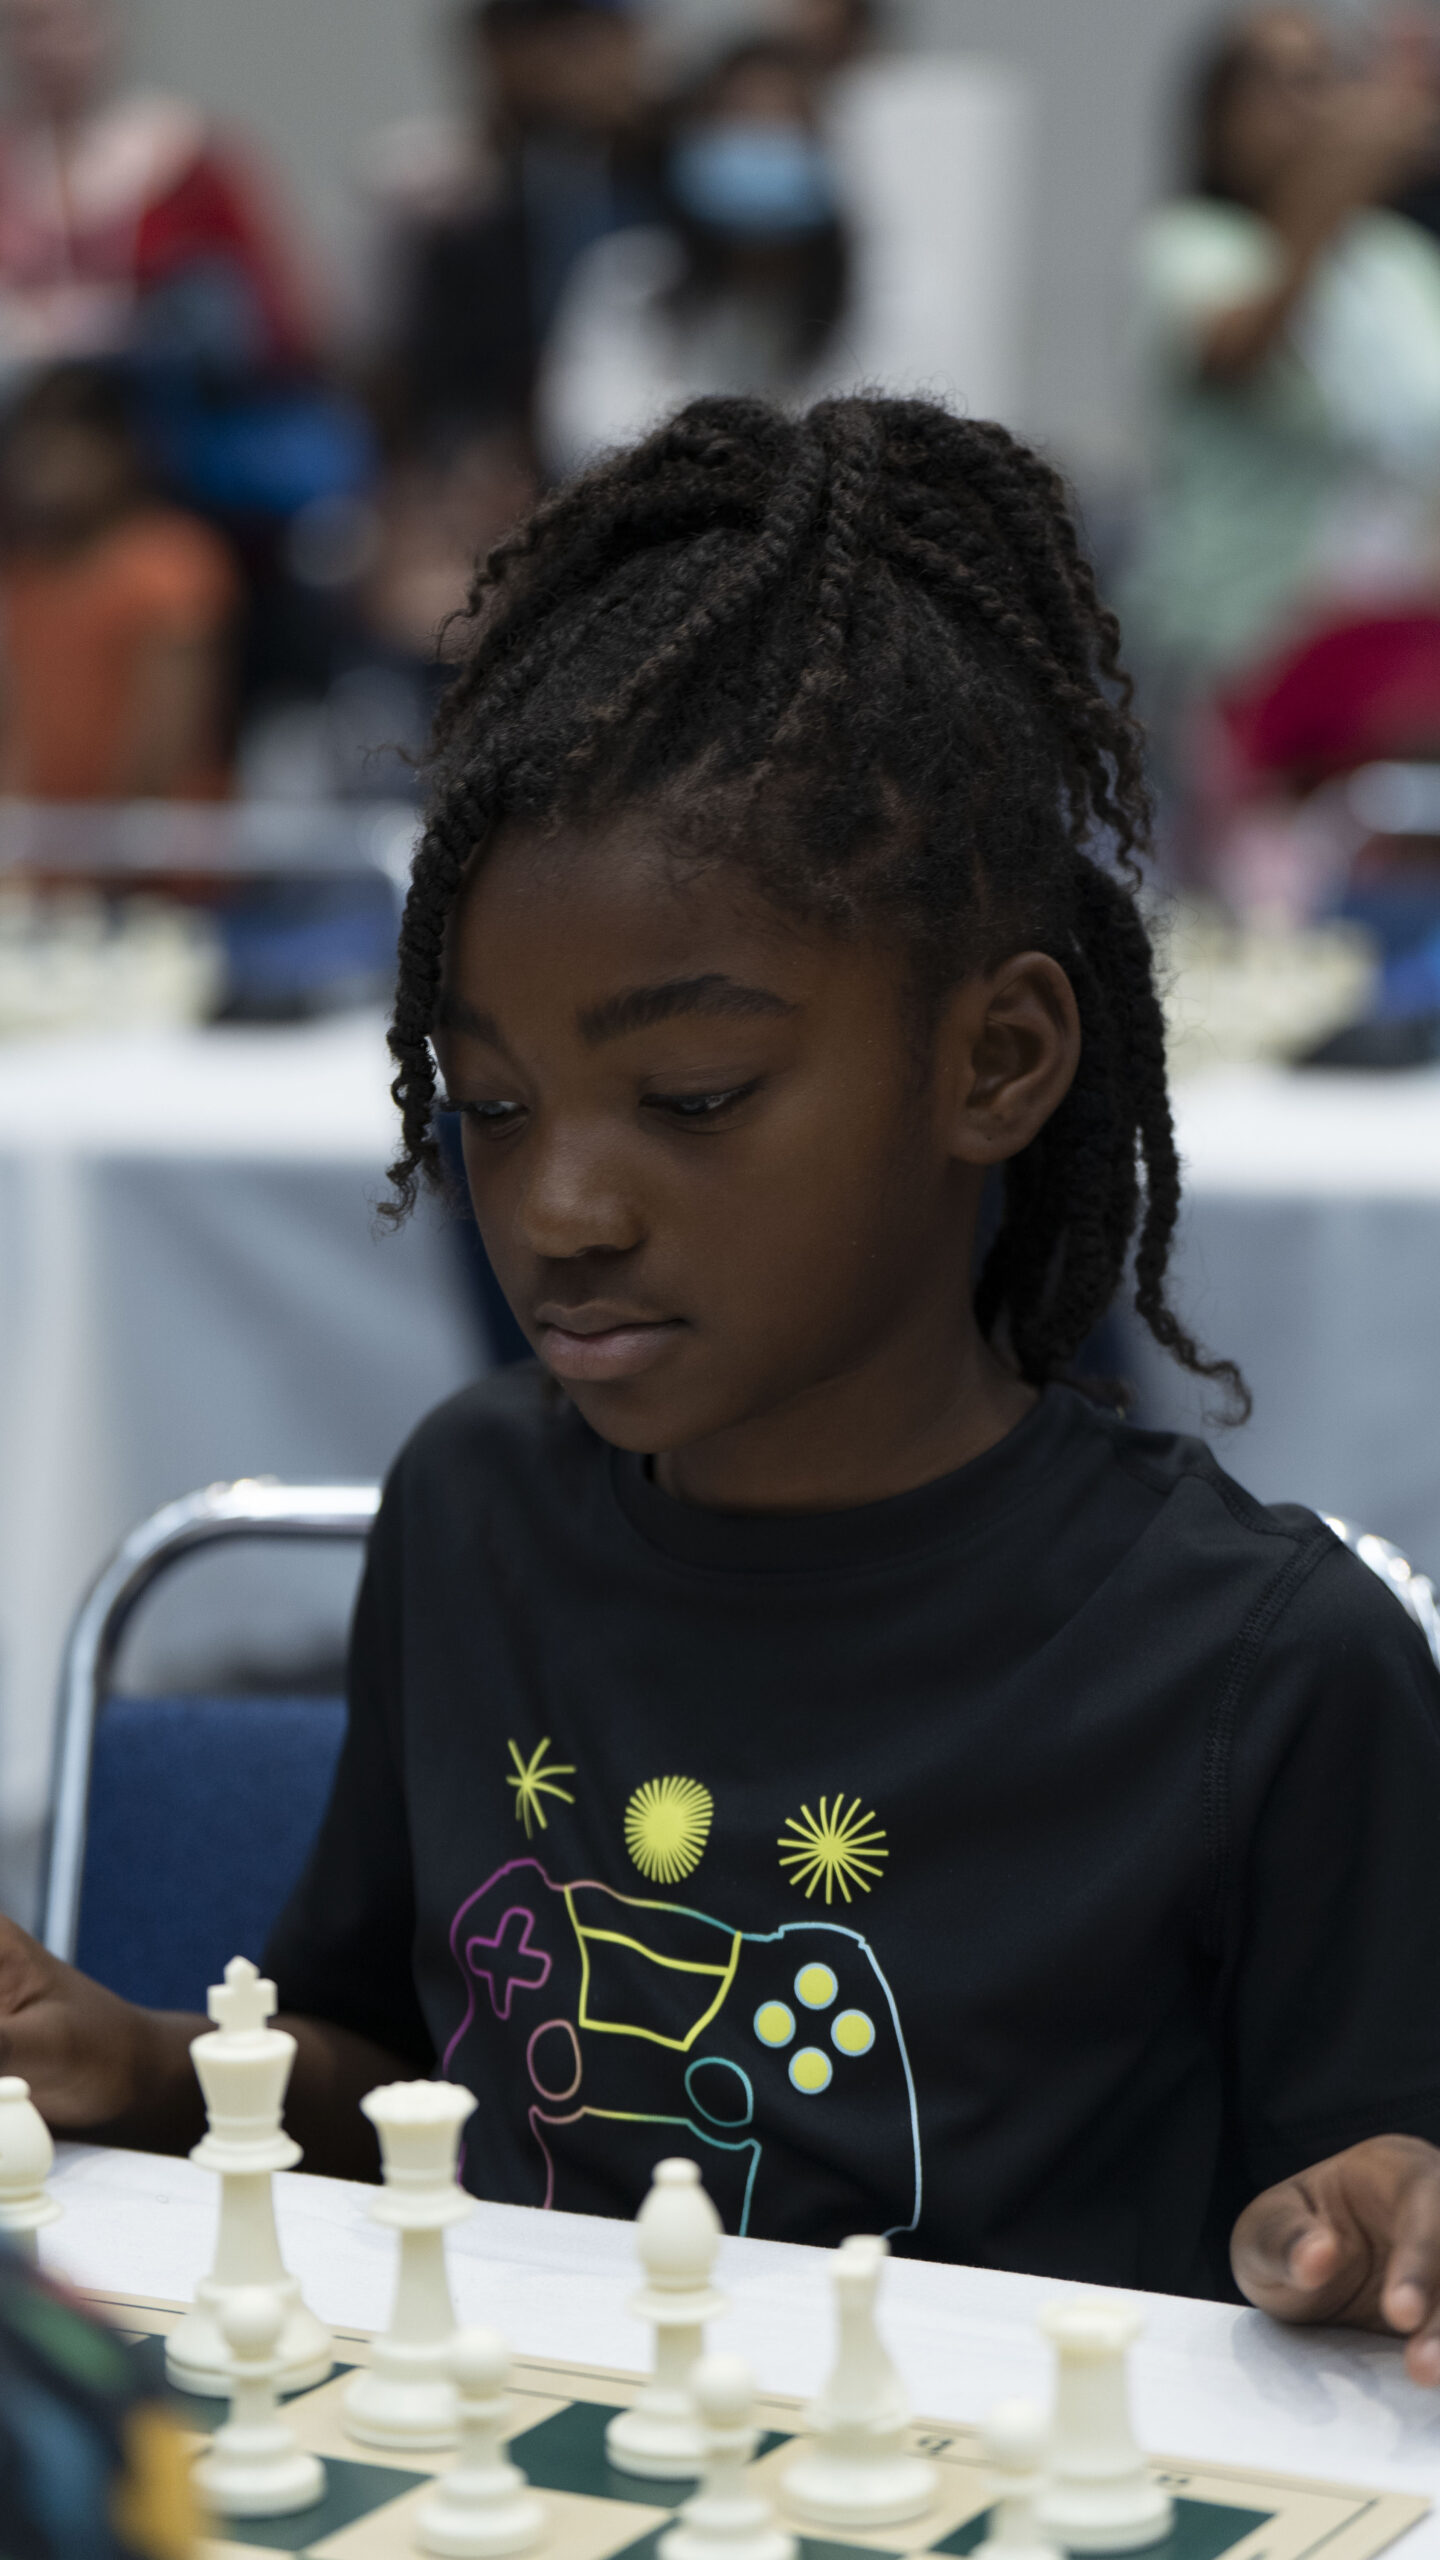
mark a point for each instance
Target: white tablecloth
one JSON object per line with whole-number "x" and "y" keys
{"x": 192, "y": 1286}
{"x": 1310, "y": 1252}
{"x": 1210, "y": 2383}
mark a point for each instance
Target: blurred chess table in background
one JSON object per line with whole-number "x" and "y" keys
{"x": 193, "y": 1286}
{"x": 1309, "y": 1251}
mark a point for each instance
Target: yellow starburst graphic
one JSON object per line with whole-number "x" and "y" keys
{"x": 667, "y": 1823}
{"x": 842, "y": 1846}
{"x": 535, "y": 1779}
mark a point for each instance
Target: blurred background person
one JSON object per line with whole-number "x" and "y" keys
{"x": 833, "y": 33}
{"x": 490, "y": 212}
{"x": 370, "y": 596}
{"x": 741, "y": 287}
{"x": 124, "y": 218}
{"x": 1290, "y": 331}
{"x": 116, "y": 609}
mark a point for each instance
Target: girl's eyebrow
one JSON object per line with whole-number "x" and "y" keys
{"x": 452, "y": 1013}
{"x": 639, "y": 1008}
{"x": 635, "y": 1009}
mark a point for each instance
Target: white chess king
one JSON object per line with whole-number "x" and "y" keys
{"x": 243, "y": 2069}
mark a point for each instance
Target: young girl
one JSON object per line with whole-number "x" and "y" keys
{"x": 789, "y": 1724}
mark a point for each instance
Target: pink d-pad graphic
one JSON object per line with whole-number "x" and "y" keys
{"x": 504, "y": 1965}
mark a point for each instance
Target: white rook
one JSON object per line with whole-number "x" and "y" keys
{"x": 1102, "y": 2496}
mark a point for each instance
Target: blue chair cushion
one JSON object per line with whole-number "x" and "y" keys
{"x": 202, "y": 1813}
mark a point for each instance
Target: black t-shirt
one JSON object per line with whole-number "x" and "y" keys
{"x": 1033, "y": 1866}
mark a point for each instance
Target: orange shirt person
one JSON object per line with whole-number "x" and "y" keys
{"x": 115, "y": 611}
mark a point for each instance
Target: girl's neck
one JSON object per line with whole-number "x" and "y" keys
{"x": 890, "y": 1424}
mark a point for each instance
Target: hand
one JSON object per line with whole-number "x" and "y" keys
{"x": 1356, "y": 2240}
{"x": 87, "y": 2054}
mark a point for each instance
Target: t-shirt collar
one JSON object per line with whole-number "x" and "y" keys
{"x": 949, "y": 1509}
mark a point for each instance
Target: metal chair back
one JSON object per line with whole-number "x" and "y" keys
{"x": 255, "y": 1507}
{"x": 1414, "y": 1591}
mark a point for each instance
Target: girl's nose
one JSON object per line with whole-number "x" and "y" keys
{"x": 575, "y": 1202}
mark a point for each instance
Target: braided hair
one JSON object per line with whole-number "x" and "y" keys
{"x": 861, "y": 654}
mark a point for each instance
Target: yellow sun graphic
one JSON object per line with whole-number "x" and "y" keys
{"x": 667, "y": 1823}
{"x": 535, "y": 1779}
{"x": 841, "y": 1847}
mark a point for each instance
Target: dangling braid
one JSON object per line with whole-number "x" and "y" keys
{"x": 863, "y": 652}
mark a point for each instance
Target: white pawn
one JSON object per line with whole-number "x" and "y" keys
{"x": 1014, "y": 2437}
{"x": 404, "y": 2397}
{"x": 483, "y": 2505}
{"x": 857, "y": 2471}
{"x": 27, "y": 2156}
{"x": 660, "y": 2437}
{"x": 1102, "y": 2496}
{"x": 729, "y": 2518}
{"x": 243, "y": 2069}
{"x": 254, "y": 2466}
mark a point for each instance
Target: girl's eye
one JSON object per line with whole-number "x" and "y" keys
{"x": 490, "y": 1116}
{"x": 695, "y": 1107}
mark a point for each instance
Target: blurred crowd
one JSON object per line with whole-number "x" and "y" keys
{"x": 229, "y": 540}
{"x": 1282, "y": 598}
{"x": 232, "y": 534}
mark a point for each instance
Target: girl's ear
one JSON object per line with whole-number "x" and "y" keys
{"x": 1007, "y": 1048}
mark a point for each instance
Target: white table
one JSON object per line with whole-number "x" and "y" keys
{"x": 1210, "y": 2383}
{"x": 193, "y": 1286}
{"x": 1310, "y": 1252}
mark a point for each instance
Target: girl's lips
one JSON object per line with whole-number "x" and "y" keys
{"x": 619, "y": 1351}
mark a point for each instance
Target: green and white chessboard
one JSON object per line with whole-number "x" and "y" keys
{"x": 560, "y": 2413}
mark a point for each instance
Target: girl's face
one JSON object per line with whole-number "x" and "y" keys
{"x": 708, "y": 1171}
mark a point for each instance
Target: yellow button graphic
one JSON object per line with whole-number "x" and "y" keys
{"x": 816, "y": 1985}
{"x": 852, "y": 2031}
{"x": 774, "y": 2023}
{"x": 810, "y": 2070}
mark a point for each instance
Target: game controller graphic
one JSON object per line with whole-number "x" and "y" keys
{"x": 642, "y": 2020}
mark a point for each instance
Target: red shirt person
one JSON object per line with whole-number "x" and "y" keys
{"x": 108, "y": 198}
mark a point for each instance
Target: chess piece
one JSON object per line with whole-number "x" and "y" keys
{"x": 254, "y": 2466}
{"x": 730, "y": 2518}
{"x": 404, "y": 2397}
{"x": 677, "y": 2231}
{"x": 483, "y": 2505}
{"x": 1015, "y": 2441}
{"x": 27, "y": 2156}
{"x": 857, "y": 2472}
{"x": 243, "y": 2067}
{"x": 1101, "y": 2496}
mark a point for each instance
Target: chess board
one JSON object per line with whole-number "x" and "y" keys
{"x": 558, "y": 2438}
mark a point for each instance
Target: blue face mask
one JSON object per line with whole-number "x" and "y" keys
{"x": 760, "y": 181}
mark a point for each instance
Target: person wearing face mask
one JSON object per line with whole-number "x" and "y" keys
{"x": 743, "y": 288}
